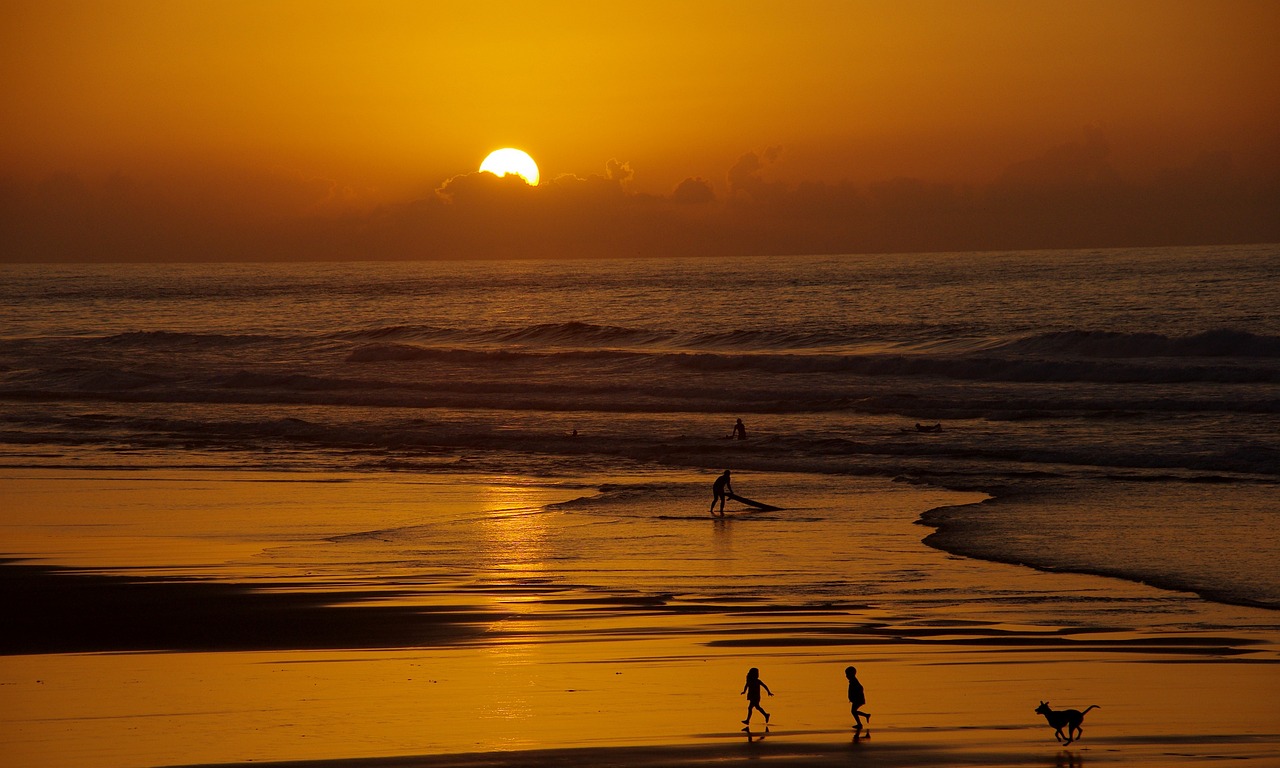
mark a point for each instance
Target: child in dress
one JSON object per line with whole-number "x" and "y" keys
{"x": 752, "y": 689}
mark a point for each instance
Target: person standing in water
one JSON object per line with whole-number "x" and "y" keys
{"x": 856, "y": 698}
{"x": 752, "y": 689}
{"x": 739, "y": 431}
{"x": 718, "y": 491}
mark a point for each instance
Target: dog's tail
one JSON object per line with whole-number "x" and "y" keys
{"x": 1091, "y": 706}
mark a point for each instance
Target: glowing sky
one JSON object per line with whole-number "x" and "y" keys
{"x": 213, "y": 112}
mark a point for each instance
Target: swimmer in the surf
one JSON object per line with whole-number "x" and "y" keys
{"x": 739, "y": 431}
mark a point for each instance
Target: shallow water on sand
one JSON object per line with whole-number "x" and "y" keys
{"x": 591, "y": 611}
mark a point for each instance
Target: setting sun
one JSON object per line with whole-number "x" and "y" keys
{"x": 503, "y": 161}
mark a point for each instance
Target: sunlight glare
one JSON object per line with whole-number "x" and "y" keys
{"x": 503, "y": 161}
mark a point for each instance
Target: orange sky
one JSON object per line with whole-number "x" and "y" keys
{"x": 291, "y": 109}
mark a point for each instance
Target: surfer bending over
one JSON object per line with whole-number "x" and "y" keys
{"x": 718, "y": 491}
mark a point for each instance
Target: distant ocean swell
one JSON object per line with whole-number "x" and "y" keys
{"x": 1070, "y": 344}
{"x": 968, "y": 367}
{"x": 601, "y": 392}
{"x": 588, "y": 335}
{"x": 175, "y": 367}
{"x": 1077, "y": 343}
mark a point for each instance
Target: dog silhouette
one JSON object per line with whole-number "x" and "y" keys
{"x": 1071, "y": 719}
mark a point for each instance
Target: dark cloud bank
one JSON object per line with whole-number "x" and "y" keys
{"x": 1069, "y": 197}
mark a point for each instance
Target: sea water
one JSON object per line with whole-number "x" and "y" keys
{"x": 1122, "y": 407}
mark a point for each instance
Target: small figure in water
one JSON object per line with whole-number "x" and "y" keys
{"x": 856, "y": 698}
{"x": 752, "y": 689}
{"x": 722, "y": 486}
{"x": 928, "y": 427}
{"x": 739, "y": 431}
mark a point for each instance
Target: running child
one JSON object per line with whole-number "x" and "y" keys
{"x": 752, "y": 689}
{"x": 856, "y": 698}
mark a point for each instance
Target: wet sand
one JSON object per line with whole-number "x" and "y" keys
{"x": 188, "y": 620}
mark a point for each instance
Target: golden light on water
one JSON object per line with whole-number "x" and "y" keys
{"x": 500, "y": 162}
{"x": 514, "y": 529}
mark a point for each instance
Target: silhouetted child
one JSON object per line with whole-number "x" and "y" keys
{"x": 752, "y": 689}
{"x": 856, "y": 698}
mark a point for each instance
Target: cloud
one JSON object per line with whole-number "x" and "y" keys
{"x": 745, "y": 173}
{"x": 1069, "y": 195}
{"x": 1081, "y": 163}
{"x": 483, "y": 188}
{"x": 618, "y": 171}
{"x": 746, "y": 180}
{"x": 693, "y": 191}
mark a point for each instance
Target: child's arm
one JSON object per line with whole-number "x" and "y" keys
{"x": 766, "y": 688}
{"x": 744, "y": 690}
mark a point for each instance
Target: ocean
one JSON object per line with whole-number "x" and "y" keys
{"x": 1119, "y": 409}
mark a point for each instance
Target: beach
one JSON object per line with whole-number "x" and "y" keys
{"x": 398, "y": 620}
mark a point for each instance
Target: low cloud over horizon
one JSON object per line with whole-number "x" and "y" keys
{"x": 1069, "y": 196}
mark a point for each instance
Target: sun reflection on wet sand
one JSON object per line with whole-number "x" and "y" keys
{"x": 513, "y": 529}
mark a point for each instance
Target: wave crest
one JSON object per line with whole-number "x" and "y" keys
{"x": 1222, "y": 342}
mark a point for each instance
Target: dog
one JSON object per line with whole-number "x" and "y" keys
{"x": 1071, "y": 719}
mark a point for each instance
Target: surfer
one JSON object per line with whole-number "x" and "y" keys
{"x": 739, "y": 431}
{"x": 928, "y": 427}
{"x": 722, "y": 486}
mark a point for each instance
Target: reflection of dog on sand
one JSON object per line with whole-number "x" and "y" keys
{"x": 1071, "y": 719}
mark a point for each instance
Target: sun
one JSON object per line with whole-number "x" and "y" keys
{"x": 503, "y": 161}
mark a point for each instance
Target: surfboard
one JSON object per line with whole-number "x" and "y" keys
{"x": 750, "y": 503}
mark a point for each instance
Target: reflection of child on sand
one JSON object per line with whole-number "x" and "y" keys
{"x": 752, "y": 689}
{"x": 856, "y": 698}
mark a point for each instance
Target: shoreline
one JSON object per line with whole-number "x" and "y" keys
{"x": 950, "y": 524}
